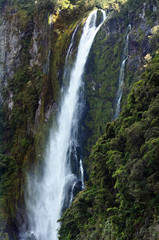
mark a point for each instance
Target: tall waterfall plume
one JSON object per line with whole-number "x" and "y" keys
{"x": 122, "y": 74}
{"x": 49, "y": 194}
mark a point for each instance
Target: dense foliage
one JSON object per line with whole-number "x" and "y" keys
{"x": 121, "y": 198}
{"x": 23, "y": 134}
{"x": 30, "y": 95}
{"x": 104, "y": 62}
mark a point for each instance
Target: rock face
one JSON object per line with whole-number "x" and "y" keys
{"x": 10, "y": 47}
{"x": 27, "y": 101}
{"x": 103, "y": 67}
{"x": 10, "y": 38}
{"x": 98, "y": 211}
{"x": 32, "y": 58}
{"x": 140, "y": 37}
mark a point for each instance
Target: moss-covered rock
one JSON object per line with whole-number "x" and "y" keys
{"x": 30, "y": 95}
{"x": 105, "y": 60}
{"x": 121, "y": 200}
{"x": 32, "y": 62}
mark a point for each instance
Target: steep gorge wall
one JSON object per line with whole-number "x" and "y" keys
{"x": 32, "y": 63}
{"x": 103, "y": 66}
{"x": 120, "y": 200}
{"x": 22, "y": 85}
{"x": 32, "y": 54}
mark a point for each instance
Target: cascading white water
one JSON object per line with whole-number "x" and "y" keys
{"x": 68, "y": 55}
{"x": 122, "y": 74}
{"x": 70, "y": 49}
{"x": 46, "y": 196}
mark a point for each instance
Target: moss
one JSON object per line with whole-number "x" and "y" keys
{"x": 121, "y": 196}
{"x": 101, "y": 82}
{"x": 26, "y": 126}
{"x": 33, "y": 95}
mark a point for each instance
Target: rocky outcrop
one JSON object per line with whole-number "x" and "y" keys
{"x": 32, "y": 58}
{"x": 10, "y": 47}
{"x": 140, "y": 36}
{"x": 23, "y": 53}
{"x": 103, "y": 67}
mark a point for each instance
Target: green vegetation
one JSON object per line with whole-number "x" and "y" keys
{"x": 101, "y": 78}
{"x": 121, "y": 198}
{"x": 103, "y": 66}
{"x": 28, "y": 96}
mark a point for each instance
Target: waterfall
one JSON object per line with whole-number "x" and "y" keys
{"x": 122, "y": 74}
{"x": 49, "y": 194}
{"x": 70, "y": 49}
{"x": 68, "y": 56}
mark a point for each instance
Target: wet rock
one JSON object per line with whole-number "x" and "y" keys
{"x": 77, "y": 188}
{"x": 99, "y": 18}
{"x": 35, "y": 55}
